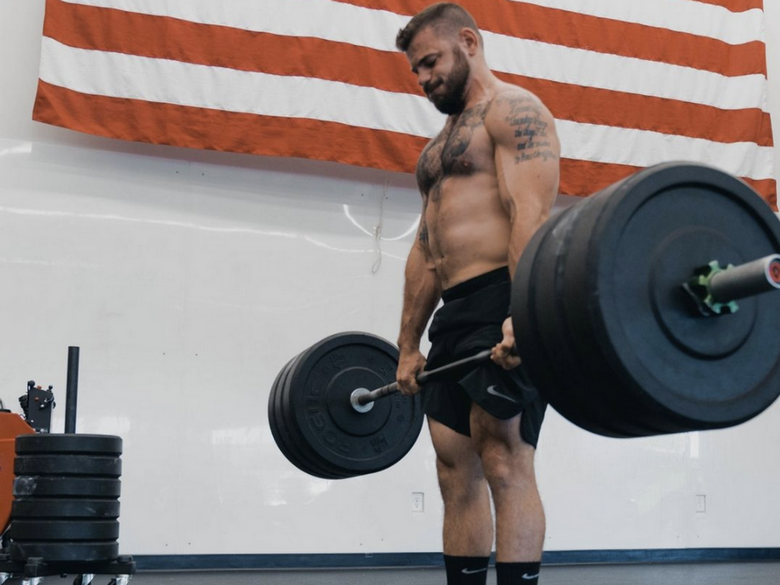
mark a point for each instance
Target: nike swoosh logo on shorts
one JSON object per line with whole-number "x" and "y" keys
{"x": 470, "y": 572}
{"x": 528, "y": 577}
{"x": 492, "y": 390}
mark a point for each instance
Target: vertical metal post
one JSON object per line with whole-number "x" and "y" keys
{"x": 71, "y": 397}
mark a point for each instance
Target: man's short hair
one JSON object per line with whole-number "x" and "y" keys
{"x": 445, "y": 17}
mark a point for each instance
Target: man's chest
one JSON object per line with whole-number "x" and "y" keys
{"x": 463, "y": 148}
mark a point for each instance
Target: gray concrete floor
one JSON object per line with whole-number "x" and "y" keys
{"x": 668, "y": 574}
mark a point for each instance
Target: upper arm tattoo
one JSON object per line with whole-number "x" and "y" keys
{"x": 530, "y": 130}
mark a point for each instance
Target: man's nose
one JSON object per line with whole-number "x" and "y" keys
{"x": 423, "y": 77}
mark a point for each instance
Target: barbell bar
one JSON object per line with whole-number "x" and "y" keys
{"x": 716, "y": 286}
{"x": 607, "y": 328}
{"x": 361, "y": 399}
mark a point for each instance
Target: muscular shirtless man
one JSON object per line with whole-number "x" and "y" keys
{"x": 488, "y": 181}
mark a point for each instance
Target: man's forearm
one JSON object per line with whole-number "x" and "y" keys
{"x": 422, "y": 291}
{"x": 518, "y": 241}
{"x": 523, "y": 229}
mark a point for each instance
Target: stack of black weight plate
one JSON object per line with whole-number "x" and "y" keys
{"x": 606, "y": 330}
{"x": 66, "y": 498}
{"x": 312, "y": 419}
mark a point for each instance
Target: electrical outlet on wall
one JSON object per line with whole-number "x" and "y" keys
{"x": 701, "y": 503}
{"x": 418, "y": 502}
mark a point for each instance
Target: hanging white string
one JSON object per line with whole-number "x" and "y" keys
{"x": 378, "y": 227}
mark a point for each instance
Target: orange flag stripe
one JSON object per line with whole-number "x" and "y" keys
{"x": 190, "y": 127}
{"x": 580, "y": 177}
{"x": 583, "y": 31}
{"x": 626, "y": 110}
{"x": 169, "y": 124}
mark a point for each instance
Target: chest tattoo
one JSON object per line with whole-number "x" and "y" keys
{"x": 448, "y": 154}
{"x": 453, "y": 157}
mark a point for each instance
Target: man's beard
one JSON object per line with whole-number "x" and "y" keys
{"x": 453, "y": 101}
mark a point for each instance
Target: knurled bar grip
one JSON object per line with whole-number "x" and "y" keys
{"x": 424, "y": 377}
{"x": 746, "y": 280}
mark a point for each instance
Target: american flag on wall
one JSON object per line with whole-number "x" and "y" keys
{"x": 630, "y": 82}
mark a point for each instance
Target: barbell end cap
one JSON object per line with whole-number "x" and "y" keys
{"x": 773, "y": 270}
{"x": 699, "y": 288}
{"x": 354, "y": 400}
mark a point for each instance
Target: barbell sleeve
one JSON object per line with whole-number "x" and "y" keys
{"x": 362, "y": 398}
{"x": 715, "y": 289}
{"x": 746, "y": 280}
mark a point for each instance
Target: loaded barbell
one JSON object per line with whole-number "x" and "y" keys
{"x": 638, "y": 310}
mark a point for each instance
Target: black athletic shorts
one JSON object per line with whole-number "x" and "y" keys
{"x": 469, "y": 322}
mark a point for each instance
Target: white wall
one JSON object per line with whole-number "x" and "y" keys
{"x": 772, "y": 32}
{"x": 188, "y": 278}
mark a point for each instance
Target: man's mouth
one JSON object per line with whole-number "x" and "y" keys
{"x": 429, "y": 89}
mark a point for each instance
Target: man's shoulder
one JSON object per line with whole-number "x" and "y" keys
{"x": 512, "y": 105}
{"x": 508, "y": 91}
{"x": 511, "y": 97}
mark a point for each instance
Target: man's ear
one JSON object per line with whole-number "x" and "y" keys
{"x": 470, "y": 40}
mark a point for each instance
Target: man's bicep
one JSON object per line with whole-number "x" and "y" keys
{"x": 533, "y": 185}
{"x": 527, "y": 152}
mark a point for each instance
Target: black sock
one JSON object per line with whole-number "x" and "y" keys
{"x": 517, "y": 573}
{"x": 466, "y": 570}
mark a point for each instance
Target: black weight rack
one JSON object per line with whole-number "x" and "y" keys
{"x": 31, "y": 570}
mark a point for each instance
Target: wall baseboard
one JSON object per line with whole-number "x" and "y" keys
{"x": 406, "y": 560}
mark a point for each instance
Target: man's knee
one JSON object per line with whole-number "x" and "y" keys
{"x": 460, "y": 480}
{"x": 507, "y": 463}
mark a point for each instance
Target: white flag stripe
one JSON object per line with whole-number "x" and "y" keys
{"x": 625, "y": 74}
{"x": 174, "y": 82}
{"x": 503, "y": 53}
{"x": 609, "y": 144}
{"x": 697, "y": 18}
{"x": 322, "y": 19}
{"x": 166, "y": 81}
{"x": 680, "y": 15}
